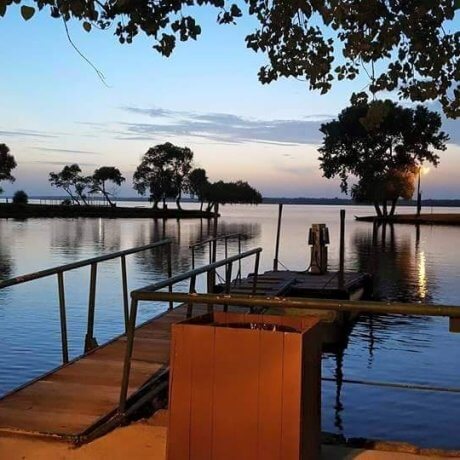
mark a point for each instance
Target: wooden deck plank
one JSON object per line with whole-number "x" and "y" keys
{"x": 74, "y": 397}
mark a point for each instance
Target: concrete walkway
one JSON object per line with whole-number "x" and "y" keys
{"x": 147, "y": 440}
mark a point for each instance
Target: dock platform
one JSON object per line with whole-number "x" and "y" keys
{"x": 74, "y": 401}
{"x": 79, "y": 401}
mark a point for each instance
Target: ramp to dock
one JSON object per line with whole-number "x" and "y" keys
{"x": 76, "y": 399}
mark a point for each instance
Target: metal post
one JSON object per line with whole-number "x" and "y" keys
{"x": 256, "y": 273}
{"x": 62, "y": 314}
{"x": 90, "y": 341}
{"x": 342, "y": 248}
{"x": 193, "y": 257}
{"x": 214, "y": 245}
{"x": 124, "y": 281}
{"x": 278, "y": 233}
{"x": 226, "y": 246}
{"x": 191, "y": 290}
{"x": 128, "y": 355}
{"x": 228, "y": 281}
{"x": 210, "y": 287}
{"x": 419, "y": 195}
{"x": 169, "y": 261}
{"x": 239, "y": 260}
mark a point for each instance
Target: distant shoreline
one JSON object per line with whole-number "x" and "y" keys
{"x": 50, "y": 211}
{"x": 422, "y": 219}
{"x": 428, "y": 203}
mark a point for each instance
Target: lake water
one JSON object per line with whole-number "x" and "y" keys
{"x": 409, "y": 264}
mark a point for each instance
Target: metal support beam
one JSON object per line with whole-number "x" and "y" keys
{"x": 90, "y": 341}
{"x": 124, "y": 281}
{"x": 63, "y": 319}
{"x": 278, "y": 234}
{"x": 342, "y": 249}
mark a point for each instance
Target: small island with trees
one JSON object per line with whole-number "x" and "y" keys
{"x": 165, "y": 173}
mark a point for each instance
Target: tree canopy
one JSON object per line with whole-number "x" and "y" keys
{"x": 7, "y": 164}
{"x": 400, "y": 45}
{"x": 71, "y": 181}
{"x": 381, "y": 145}
{"x": 98, "y": 181}
{"x": 231, "y": 193}
{"x": 197, "y": 184}
{"x": 163, "y": 172}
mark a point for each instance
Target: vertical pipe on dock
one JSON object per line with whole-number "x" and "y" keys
{"x": 228, "y": 280}
{"x": 210, "y": 287}
{"x": 128, "y": 356}
{"x": 124, "y": 281}
{"x": 191, "y": 290}
{"x": 278, "y": 233}
{"x": 90, "y": 342}
{"x": 169, "y": 263}
{"x": 342, "y": 248}
{"x": 214, "y": 243}
{"x": 62, "y": 314}
{"x": 256, "y": 273}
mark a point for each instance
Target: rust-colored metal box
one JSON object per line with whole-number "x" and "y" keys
{"x": 245, "y": 387}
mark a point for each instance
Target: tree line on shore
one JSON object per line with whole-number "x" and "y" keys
{"x": 166, "y": 172}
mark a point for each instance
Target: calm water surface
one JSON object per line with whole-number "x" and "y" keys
{"x": 409, "y": 264}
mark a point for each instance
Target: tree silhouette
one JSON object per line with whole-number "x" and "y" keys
{"x": 163, "y": 171}
{"x": 103, "y": 175}
{"x": 20, "y": 197}
{"x": 382, "y": 145}
{"x": 71, "y": 181}
{"x": 198, "y": 184}
{"x": 7, "y": 164}
{"x": 399, "y": 45}
{"x": 231, "y": 193}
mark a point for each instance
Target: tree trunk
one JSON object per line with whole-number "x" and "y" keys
{"x": 201, "y": 206}
{"x": 377, "y": 209}
{"x": 72, "y": 197}
{"x": 385, "y": 209}
{"x": 106, "y": 195}
{"x": 178, "y": 201}
{"x": 393, "y": 207}
{"x": 155, "y": 204}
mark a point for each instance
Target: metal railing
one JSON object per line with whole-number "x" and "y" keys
{"x": 90, "y": 341}
{"x": 149, "y": 292}
{"x": 212, "y": 241}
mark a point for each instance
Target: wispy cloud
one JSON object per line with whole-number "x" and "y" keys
{"x": 221, "y": 127}
{"x": 57, "y": 163}
{"x": 49, "y": 149}
{"x": 235, "y": 129}
{"x": 27, "y": 133}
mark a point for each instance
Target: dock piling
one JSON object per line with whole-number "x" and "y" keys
{"x": 278, "y": 233}
{"x": 342, "y": 248}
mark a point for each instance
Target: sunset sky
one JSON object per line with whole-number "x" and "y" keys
{"x": 55, "y": 111}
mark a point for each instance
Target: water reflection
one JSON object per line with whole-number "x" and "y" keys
{"x": 397, "y": 263}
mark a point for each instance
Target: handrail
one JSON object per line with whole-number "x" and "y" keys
{"x": 144, "y": 293}
{"x": 79, "y": 264}
{"x": 246, "y": 300}
{"x": 138, "y": 293}
{"x": 215, "y": 238}
{"x": 213, "y": 247}
{"x": 90, "y": 341}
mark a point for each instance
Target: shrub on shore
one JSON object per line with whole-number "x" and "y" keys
{"x": 20, "y": 197}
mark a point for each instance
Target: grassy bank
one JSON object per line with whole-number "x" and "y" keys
{"x": 422, "y": 219}
{"x": 43, "y": 210}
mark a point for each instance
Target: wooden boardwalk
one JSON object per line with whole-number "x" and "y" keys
{"x": 74, "y": 400}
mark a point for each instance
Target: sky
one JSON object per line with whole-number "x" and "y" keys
{"x": 54, "y": 110}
